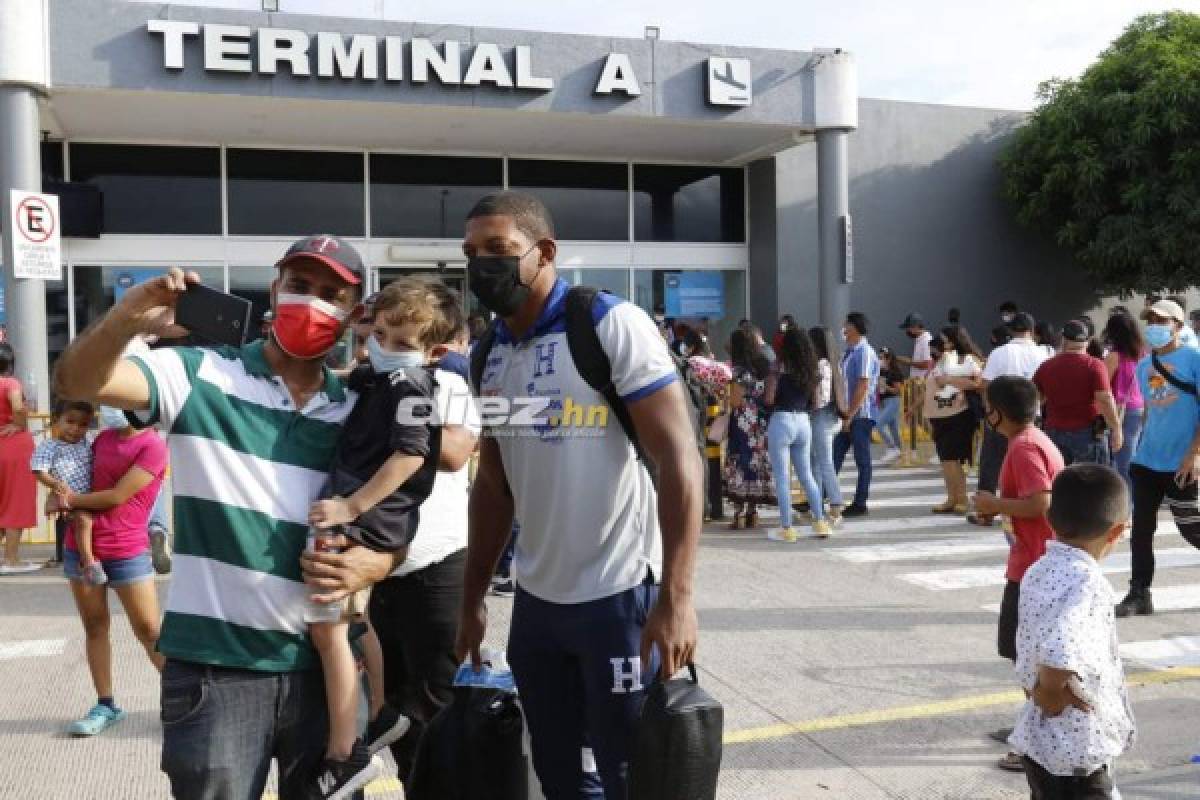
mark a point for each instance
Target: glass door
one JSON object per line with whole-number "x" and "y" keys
{"x": 451, "y": 273}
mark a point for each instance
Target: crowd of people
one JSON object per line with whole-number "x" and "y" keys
{"x": 327, "y": 518}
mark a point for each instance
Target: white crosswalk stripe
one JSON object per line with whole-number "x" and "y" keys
{"x": 912, "y": 551}
{"x": 923, "y": 524}
{"x": 1166, "y": 598}
{"x": 975, "y": 577}
{"x": 31, "y": 648}
{"x": 981, "y": 542}
{"x": 1176, "y": 651}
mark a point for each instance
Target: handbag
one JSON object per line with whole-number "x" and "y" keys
{"x": 677, "y": 745}
{"x": 718, "y": 431}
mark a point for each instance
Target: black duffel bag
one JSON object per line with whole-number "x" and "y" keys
{"x": 676, "y": 751}
{"x": 472, "y": 749}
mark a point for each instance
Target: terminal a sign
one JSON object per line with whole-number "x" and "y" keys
{"x": 240, "y": 49}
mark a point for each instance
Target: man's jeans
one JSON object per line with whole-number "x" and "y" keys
{"x": 859, "y": 438}
{"x": 1080, "y": 447}
{"x": 222, "y": 727}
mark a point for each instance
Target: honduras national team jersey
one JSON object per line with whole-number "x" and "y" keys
{"x": 588, "y": 511}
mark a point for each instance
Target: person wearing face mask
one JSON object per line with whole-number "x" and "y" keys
{"x": 252, "y": 432}
{"x": 605, "y": 558}
{"x": 1076, "y": 392}
{"x": 921, "y": 362}
{"x": 860, "y": 372}
{"x": 383, "y": 470}
{"x": 362, "y": 329}
{"x": 947, "y": 407}
{"x": 1019, "y": 357}
{"x": 1166, "y": 463}
{"x": 127, "y": 469}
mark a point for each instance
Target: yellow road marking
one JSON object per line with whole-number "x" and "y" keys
{"x": 926, "y": 710}
{"x": 858, "y": 720}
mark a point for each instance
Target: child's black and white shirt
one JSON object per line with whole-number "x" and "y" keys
{"x": 1066, "y": 621}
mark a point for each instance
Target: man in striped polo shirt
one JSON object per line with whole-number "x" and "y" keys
{"x": 252, "y": 434}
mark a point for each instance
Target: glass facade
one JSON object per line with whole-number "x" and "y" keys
{"x": 253, "y": 284}
{"x": 589, "y": 201}
{"x": 295, "y": 192}
{"x": 52, "y": 161}
{"x": 428, "y": 196}
{"x": 611, "y": 280}
{"x": 160, "y": 190}
{"x": 165, "y": 190}
{"x": 688, "y": 204}
{"x": 98, "y": 287}
{"x": 712, "y": 300}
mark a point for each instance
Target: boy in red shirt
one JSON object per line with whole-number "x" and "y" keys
{"x": 1026, "y": 479}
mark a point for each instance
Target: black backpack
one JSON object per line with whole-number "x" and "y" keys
{"x": 596, "y": 370}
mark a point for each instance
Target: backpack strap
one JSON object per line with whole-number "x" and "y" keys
{"x": 1181, "y": 385}
{"x": 590, "y": 359}
{"x": 479, "y": 357}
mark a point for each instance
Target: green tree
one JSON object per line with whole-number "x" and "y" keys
{"x": 1109, "y": 164}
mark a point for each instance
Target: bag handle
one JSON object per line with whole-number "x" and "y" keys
{"x": 691, "y": 668}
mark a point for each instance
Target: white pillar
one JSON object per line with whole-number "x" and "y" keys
{"x": 835, "y": 107}
{"x": 24, "y": 75}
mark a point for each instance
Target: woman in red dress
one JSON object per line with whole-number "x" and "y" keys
{"x": 18, "y": 491}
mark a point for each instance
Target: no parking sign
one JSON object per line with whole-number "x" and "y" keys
{"x": 37, "y": 248}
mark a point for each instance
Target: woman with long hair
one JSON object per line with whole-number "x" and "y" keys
{"x": 18, "y": 489}
{"x": 747, "y": 464}
{"x": 791, "y": 395}
{"x": 1126, "y": 349}
{"x": 956, "y": 373}
{"x": 829, "y": 402}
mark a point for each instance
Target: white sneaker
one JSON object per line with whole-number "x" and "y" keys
{"x": 890, "y": 457}
{"x": 782, "y": 535}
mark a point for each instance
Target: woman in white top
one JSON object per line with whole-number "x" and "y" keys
{"x": 950, "y": 411}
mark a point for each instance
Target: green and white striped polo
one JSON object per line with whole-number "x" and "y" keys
{"x": 246, "y": 466}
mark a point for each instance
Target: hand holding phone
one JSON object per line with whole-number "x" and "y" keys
{"x": 216, "y": 316}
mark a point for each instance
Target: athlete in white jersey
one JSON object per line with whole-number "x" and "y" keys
{"x": 603, "y": 566}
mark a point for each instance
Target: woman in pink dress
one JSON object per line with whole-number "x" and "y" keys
{"x": 18, "y": 490}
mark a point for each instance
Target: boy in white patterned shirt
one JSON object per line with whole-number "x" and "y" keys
{"x": 63, "y": 464}
{"x": 1078, "y": 718}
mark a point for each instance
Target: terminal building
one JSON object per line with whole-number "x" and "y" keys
{"x": 703, "y": 181}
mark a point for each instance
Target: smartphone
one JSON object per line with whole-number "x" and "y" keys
{"x": 215, "y": 316}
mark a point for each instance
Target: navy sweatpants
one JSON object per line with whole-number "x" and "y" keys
{"x": 581, "y": 683}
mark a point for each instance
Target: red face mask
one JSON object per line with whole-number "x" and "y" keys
{"x": 306, "y": 327}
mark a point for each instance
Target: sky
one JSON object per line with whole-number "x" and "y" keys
{"x": 988, "y": 53}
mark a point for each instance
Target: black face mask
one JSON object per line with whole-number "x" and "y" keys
{"x": 496, "y": 282}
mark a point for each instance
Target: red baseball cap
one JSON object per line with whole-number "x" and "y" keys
{"x": 332, "y": 251}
